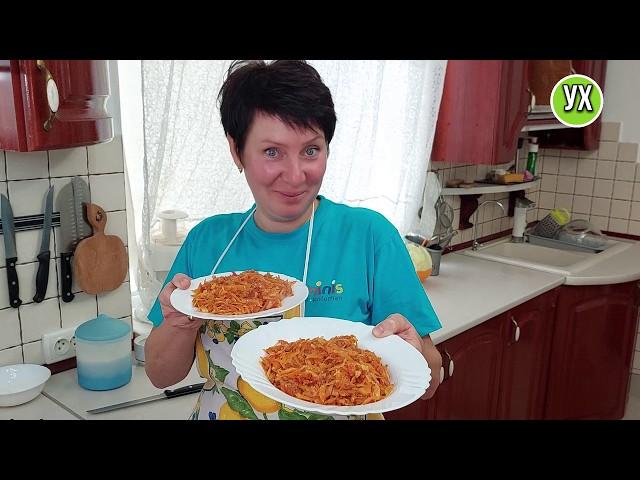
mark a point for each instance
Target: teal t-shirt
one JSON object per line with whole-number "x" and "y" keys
{"x": 359, "y": 268}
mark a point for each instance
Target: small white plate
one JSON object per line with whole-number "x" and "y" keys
{"x": 21, "y": 383}
{"x": 409, "y": 371}
{"x": 181, "y": 299}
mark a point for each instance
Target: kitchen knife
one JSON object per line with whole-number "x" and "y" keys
{"x": 68, "y": 238}
{"x": 73, "y": 228}
{"x": 42, "y": 277}
{"x": 178, "y": 392}
{"x": 8, "y": 229}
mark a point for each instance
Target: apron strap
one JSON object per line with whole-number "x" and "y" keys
{"x": 231, "y": 242}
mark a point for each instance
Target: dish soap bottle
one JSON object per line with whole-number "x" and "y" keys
{"x": 533, "y": 156}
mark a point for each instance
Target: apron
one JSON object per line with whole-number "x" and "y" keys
{"x": 225, "y": 395}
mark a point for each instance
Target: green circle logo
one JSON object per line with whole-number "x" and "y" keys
{"x": 576, "y": 100}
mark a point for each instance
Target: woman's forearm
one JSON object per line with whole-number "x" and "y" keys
{"x": 169, "y": 352}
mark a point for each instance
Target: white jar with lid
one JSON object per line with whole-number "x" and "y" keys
{"x": 103, "y": 353}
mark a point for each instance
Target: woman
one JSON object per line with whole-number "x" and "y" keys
{"x": 279, "y": 119}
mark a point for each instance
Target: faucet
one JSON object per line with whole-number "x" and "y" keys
{"x": 475, "y": 243}
{"x": 520, "y": 218}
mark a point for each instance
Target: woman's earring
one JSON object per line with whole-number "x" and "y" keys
{"x": 240, "y": 169}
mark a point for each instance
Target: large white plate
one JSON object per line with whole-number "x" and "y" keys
{"x": 181, "y": 299}
{"x": 409, "y": 371}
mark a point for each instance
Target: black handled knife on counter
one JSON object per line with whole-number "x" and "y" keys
{"x": 9, "y": 233}
{"x": 44, "y": 255}
{"x": 178, "y": 392}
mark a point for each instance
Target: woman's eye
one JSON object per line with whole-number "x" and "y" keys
{"x": 311, "y": 151}
{"x": 271, "y": 152}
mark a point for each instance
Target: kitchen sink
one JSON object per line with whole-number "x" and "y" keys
{"x": 549, "y": 259}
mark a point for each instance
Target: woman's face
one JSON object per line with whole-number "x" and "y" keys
{"x": 284, "y": 167}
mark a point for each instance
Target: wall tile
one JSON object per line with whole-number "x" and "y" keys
{"x": 620, "y": 209}
{"x": 27, "y": 196}
{"x": 623, "y": 190}
{"x": 82, "y": 308}
{"x": 625, "y": 171}
{"x": 635, "y": 211}
{"x": 108, "y": 191}
{"x": 603, "y": 188}
{"x": 618, "y": 225}
{"x": 11, "y": 356}
{"x": 549, "y": 183}
{"x": 610, "y": 131}
{"x": 634, "y": 227}
{"x": 116, "y": 303}
{"x": 9, "y": 328}
{"x": 600, "y": 207}
{"x": 33, "y": 353}
{"x": 565, "y": 184}
{"x": 584, "y": 186}
{"x": 106, "y": 157}
{"x": 27, "y": 281}
{"x": 550, "y": 165}
{"x": 564, "y": 201}
{"x": 29, "y": 165}
{"x": 587, "y": 168}
{"x": 568, "y": 166}
{"x": 600, "y": 222}
{"x": 605, "y": 169}
{"x": 608, "y": 150}
{"x": 38, "y": 318}
{"x": 581, "y": 204}
{"x": 628, "y": 152}
{"x": 68, "y": 162}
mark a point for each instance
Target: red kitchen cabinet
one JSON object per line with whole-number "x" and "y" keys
{"x": 527, "y": 344}
{"x": 482, "y": 111}
{"x": 592, "y": 351}
{"x": 53, "y": 104}
{"x": 585, "y": 138}
{"x": 472, "y": 363}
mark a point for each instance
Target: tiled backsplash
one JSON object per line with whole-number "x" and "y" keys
{"x": 602, "y": 186}
{"x": 26, "y": 177}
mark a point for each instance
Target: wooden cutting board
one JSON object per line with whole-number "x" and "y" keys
{"x": 100, "y": 261}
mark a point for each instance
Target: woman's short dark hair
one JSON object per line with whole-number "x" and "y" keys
{"x": 290, "y": 90}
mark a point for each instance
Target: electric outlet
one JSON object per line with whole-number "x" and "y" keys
{"x": 59, "y": 345}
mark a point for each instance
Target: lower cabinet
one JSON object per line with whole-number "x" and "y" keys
{"x": 565, "y": 354}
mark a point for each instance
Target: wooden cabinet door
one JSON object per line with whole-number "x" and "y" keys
{"x": 82, "y": 88}
{"x": 482, "y": 111}
{"x": 585, "y": 138}
{"x": 592, "y": 349}
{"x": 472, "y": 362}
{"x": 523, "y": 381}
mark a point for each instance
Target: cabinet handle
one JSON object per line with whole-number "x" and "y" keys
{"x": 441, "y": 374}
{"x": 53, "y": 98}
{"x": 450, "y": 363}
{"x": 532, "y": 100}
{"x": 516, "y": 336}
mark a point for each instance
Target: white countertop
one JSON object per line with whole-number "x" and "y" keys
{"x": 40, "y": 408}
{"x": 622, "y": 266}
{"x": 470, "y": 290}
{"x": 64, "y": 388}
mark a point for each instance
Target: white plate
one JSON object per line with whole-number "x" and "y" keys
{"x": 21, "y": 383}
{"x": 409, "y": 371}
{"x": 181, "y": 299}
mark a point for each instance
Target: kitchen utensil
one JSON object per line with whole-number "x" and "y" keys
{"x": 444, "y": 215}
{"x": 178, "y": 392}
{"x": 551, "y": 223}
{"x": 44, "y": 255}
{"x": 436, "y": 255}
{"x": 138, "y": 348}
{"x": 21, "y": 383}
{"x": 10, "y": 254}
{"x": 444, "y": 242}
{"x": 103, "y": 353}
{"x": 73, "y": 228}
{"x": 408, "y": 369}
{"x": 583, "y": 233}
{"x": 100, "y": 263}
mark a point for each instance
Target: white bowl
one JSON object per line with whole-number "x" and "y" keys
{"x": 21, "y": 383}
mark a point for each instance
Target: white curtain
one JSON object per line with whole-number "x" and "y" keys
{"x": 178, "y": 157}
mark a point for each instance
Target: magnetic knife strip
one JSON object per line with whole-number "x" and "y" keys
{"x": 32, "y": 222}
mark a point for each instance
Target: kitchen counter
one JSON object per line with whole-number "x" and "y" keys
{"x": 40, "y": 408}
{"x": 470, "y": 290}
{"x": 623, "y": 266}
{"x": 64, "y": 389}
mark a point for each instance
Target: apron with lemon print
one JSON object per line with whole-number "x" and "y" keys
{"x": 225, "y": 395}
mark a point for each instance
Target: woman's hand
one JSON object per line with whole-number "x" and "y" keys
{"x": 170, "y": 314}
{"x": 396, "y": 324}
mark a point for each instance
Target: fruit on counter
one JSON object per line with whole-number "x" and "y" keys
{"x": 421, "y": 260}
{"x": 227, "y": 413}
{"x": 257, "y": 400}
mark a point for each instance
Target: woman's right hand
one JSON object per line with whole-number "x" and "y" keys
{"x": 170, "y": 314}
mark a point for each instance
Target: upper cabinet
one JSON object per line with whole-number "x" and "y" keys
{"x": 51, "y": 104}
{"x": 483, "y": 109}
{"x": 585, "y": 138}
{"x": 486, "y": 104}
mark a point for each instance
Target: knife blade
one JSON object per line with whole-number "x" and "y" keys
{"x": 68, "y": 238}
{"x": 8, "y": 229}
{"x": 81, "y": 197}
{"x": 44, "y": 255}
{"x": 178, "y": 392}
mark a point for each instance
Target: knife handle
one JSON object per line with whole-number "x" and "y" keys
{"x": 65, "y": 276}
{"x": 12, "y": 281}
{"x": 42, "y": 277}
{"x": 178, "y": 392}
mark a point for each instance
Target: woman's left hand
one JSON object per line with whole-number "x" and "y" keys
{"x": 396, "y": 324}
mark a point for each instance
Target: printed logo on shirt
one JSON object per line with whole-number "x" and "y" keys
{"x": 330, "y": 292}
